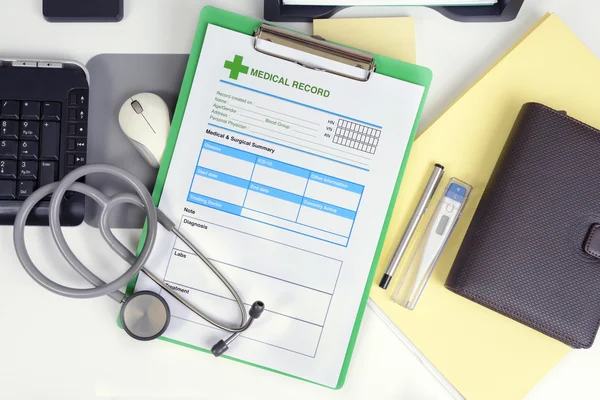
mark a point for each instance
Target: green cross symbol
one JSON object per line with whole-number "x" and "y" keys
{"x": 236, "y": 67}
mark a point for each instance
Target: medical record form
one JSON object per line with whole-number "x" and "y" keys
{"x": 282, "y": 176}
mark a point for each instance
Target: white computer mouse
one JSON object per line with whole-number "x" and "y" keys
{"x": 145, "y": 120}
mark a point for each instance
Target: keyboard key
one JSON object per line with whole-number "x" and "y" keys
{"x": 50, "y": 140}
{"x": 76, "y": 159}
{"x": 48, "y": 172}
{"x": 78, "y": 98}
{"x": 77, "y": 130}
{"x": 77, "y": 144}
{"x": 28, "y": 169}
{"x": 8, "y": 169}
{"x": 30, "y": 130}
{"x": 30, "y": 110}
{"x": 9, "y": 130}
{"x": 51, "y": 129}
{"x": 10, "y": 109}
{"x": 28, "y": 150}
{"x": 8, "y": 149}
{"x": 51, "y": 111}
{"x": 81, "y": 144}
{"x": 8, "y": 190}
{"x": 77, "y": 114}
{"x": 25, "y": 189}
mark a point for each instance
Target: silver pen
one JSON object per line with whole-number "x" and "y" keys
{"x": 432, "y": 184}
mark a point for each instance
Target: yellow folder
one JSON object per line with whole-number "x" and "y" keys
{"x": 483, "y": 354}
{"x": 391, "y": 37}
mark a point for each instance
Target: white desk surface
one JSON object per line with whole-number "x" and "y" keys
{"x": 53, "y": 347}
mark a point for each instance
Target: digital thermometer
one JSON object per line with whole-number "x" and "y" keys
{"x": 432, "y": 243}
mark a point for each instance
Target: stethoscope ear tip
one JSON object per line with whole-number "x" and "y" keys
{"x": 255, "y": 312}
{"x": 257, "y": 309}
{"x": 219, "y": 348}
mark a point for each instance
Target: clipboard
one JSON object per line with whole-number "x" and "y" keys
{"x": 369, "y": 64}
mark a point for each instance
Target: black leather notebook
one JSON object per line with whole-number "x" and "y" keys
{"x": 532, "y": 250}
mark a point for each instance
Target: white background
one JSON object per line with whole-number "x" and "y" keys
{"x": 53, "y": 347}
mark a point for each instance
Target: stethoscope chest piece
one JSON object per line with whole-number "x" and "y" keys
{"x": 145, "y": 315}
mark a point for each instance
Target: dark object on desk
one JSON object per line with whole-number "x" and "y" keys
{"x": 504, "y": 10}
{"x": 527, "y": 253}
{"x": 83, "y": 10}
{"x": 43, "y": 134}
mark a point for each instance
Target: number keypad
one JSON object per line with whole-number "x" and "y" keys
{"x": 31, "y": 147}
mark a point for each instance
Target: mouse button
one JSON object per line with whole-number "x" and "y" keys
{"x": 137, "y": 107}
{"x": 146, "y": 153}
{"x": 158, "y": 119}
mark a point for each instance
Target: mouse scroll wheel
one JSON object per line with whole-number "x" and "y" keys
{"x": 137, "y": 107}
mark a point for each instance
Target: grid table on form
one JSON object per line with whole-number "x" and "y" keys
{"x": 276, "y": 193}
{"x": 308, "y": 290}
{"x": 356, "y": 136}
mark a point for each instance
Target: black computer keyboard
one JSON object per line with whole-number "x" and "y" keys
{"x": 43, "y": 135}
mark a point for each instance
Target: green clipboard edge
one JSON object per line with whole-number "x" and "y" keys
{"x": 386, "y": 66}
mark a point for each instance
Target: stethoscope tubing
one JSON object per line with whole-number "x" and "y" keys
{"x": 112, "y": 289}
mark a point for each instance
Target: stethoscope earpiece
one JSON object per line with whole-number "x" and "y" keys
{"x": 222, "y": 346}
{"x": 257, "y": 309}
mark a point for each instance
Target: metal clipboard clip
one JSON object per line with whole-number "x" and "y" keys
{"x": 316, "y": 46}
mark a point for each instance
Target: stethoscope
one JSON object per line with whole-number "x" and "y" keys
{"x": 145, "y": 315}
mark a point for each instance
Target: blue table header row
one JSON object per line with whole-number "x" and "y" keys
{"x": 229, "y": 151}
{"x": 328, "y": 208}
{"x": 283, "y": 167}
{"x": 221, "y": 177}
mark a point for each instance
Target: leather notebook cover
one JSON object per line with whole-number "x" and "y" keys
{"x": 531, "y": 251}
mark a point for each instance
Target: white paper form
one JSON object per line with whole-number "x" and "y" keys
{"x": 282, "y": 176}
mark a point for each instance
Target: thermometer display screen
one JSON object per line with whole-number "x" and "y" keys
{"x": 441, "y": 228}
